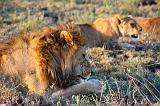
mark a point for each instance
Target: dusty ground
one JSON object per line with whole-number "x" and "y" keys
{"x": 131, "y": 76}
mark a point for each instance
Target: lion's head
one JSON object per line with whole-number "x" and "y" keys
{"x": 61, "y": 49}
{"x": 128, "y": 26}
{"x": 118, "y": 25}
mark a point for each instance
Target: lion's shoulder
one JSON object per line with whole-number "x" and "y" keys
{"x": 148, "y": 22}
{"x": 150, "y": 26}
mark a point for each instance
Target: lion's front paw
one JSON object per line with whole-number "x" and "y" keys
{"x": 97, "y": 85}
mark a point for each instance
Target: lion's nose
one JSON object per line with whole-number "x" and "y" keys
{"x": 140, "y": 29}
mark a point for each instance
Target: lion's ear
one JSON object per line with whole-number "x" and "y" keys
{"x": 119, "y": 18}
{"x": 67, "y": 37}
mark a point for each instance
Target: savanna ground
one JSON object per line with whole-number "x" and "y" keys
{"x": 132, "y": 77}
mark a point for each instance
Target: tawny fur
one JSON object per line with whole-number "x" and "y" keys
{"x": 43, "y": 58}
{"x": 151, "y": 28}
{"x": 102, "y": 29}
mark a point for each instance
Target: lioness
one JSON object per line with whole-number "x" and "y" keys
{"x": 151, "y": 28}
{"x": 102, "y": 29}
{"x": 46, "y": 58}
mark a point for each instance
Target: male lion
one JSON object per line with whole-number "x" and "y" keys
{"x": 112, "y": 28}
{"x": 151, "y": 28}
{"x": 46, "y": 58}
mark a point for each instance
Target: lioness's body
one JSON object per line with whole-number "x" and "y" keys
{"x": 44, "y": 58}
{"x": 151, "y": 27}
{"x": 110, "y": 28}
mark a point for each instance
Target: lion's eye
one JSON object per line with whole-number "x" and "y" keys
{"x": 90, "y": 57}
{"x": 133, "y": 24}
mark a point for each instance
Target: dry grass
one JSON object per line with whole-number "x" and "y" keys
{"x": 131, "y": 77}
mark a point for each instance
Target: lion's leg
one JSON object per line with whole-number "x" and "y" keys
{"x": 91, "y": 86}
{"x": 41, "y": 77}
{"x": 42, "y": 80}
{"x": 34, "y": 85}
{"x": 31, "y": 82}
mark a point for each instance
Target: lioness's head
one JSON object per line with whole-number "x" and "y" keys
{"x": 128, "y": 26}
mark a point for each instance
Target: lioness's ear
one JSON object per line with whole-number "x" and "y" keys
{"x": 67, "y": 37}
{"x": 119, "y": 18}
